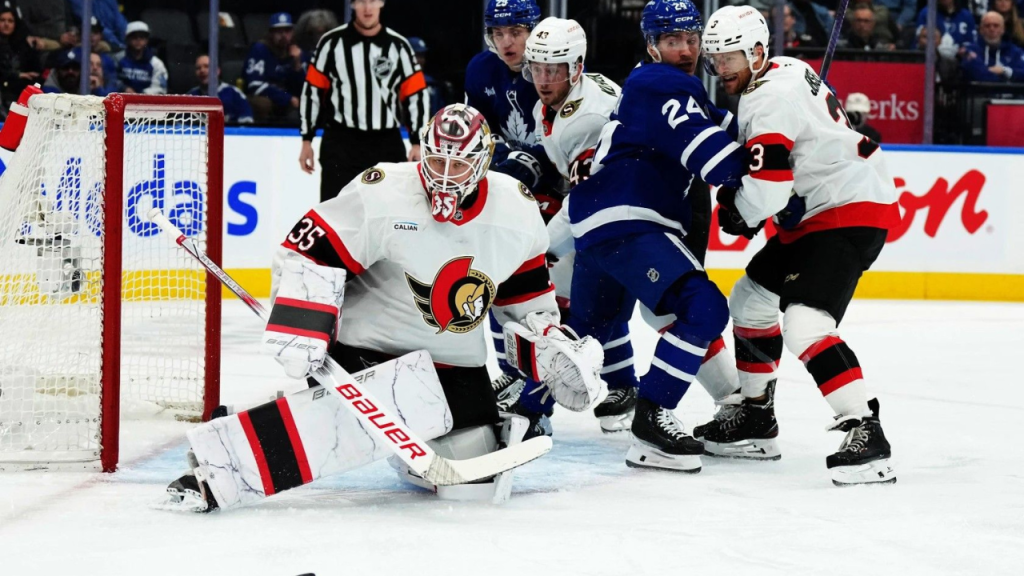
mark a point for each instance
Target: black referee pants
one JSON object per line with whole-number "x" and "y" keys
{"x": 346, "y": 152}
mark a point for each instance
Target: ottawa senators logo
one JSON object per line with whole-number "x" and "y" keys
{"x": 570, "y": 108}
{"x": 373, "y": 176}
{"x": 457, "y": 300}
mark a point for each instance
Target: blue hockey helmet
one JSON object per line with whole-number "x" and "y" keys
{"x": 511, "y": 13}
{"x": 667, "y": 16}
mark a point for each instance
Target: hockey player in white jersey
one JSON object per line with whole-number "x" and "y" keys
{"x": 420, "y": 253}
{"x": 833, "y": 201}
{"x": 571, "y": 110}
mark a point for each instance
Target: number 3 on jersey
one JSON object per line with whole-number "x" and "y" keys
{"x": 672, "y": 107}
{"x": 306, "y": 234}
{"x": 866, "y": 147}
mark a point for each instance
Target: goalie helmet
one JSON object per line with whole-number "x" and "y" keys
{"x": 555, "y": 41}
{"x": 457, "y": 148}
{"x": 735, "y": 28}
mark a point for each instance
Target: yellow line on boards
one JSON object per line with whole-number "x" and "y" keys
{"x": 875, "y": 285}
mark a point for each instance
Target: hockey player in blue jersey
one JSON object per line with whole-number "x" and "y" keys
{"x": 496, "y": 87}
{"x": 630, "y": 218}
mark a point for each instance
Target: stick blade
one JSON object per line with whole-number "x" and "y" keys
{"x": 445, "y": 472}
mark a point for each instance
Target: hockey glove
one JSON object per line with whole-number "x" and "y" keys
{"x": 306, "y": 315}
{"x": 729, "y": 218}
{"x": 567, "y": 365}
{"x": 523, "y": 167}
{"x": 793, "y": 213}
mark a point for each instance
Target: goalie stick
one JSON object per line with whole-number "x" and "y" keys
{"x": 406, "y": 444}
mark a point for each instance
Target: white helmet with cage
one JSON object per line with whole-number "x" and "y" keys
{"x": 555, "y": 41}
{"x": 731, "y": 29}
{"x": 457, "y": 148}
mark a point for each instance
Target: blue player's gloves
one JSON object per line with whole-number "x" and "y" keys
{"x": 793, "y": 213}
{"x": 523, "y": 167}
{"x": 729, "y": 218}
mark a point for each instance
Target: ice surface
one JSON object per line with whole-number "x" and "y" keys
{"x": 947, "y": 375}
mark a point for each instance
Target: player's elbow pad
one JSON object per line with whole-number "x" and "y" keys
{"x": 306, "y": 315}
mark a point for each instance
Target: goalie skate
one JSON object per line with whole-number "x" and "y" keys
{"x": 190, "y": 493}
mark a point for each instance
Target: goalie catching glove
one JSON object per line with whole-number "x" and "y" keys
{"x": 306, "y": 316}
{"x": 555, "y": 356}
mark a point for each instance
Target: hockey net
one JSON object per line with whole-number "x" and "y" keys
{"x": 97, "y": 311}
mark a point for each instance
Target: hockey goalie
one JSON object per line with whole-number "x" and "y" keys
{"x": 419, "y": 253}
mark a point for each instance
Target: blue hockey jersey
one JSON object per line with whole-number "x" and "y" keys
{"x": 505, "y": 99}
{"x": 267, "y": 75}
{"x": 236, "y": 107}
{"x": 663, "y": 132}
{"x": 147, "y": 75}
{"x": 980, "y": 57}
{"x": 959, "y": 25}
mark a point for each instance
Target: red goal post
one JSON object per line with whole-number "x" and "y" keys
{"x": 72, "y": 206}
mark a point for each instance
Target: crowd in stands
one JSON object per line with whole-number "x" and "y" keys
{"x": 263, "y": 56}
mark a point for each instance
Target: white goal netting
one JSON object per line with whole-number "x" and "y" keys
{"x": 54, "y": 216}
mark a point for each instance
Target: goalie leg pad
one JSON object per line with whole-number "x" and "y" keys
{"x": 470, "y": 443}
{"x": 309, "y": 435}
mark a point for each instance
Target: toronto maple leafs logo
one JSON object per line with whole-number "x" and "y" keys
{"x": 489, "y": 91}
{"x": 515, "y": 128}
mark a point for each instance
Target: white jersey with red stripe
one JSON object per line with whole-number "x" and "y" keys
{"x": 570, "y": 132}
{"x": 801, "y": 142}
{"x": 415, "y": 283}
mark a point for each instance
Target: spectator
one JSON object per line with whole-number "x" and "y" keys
{"x": 817, "y": 20}
{"x": 993, "y": 59}
{"x": 310, "y": 27}
{"x": 957, "y": 22}
{"x": 236, "y": 107}
{"x": 96, "y": 41}
{"x": 902, "y": 12}
{"x": 885, "y": 27}
{"x": 273, "y": 72}
{"x": 793, "y": 37}
{"x": 100, "y": 82}
{"x": 1011, "y": 17}
{"x": 65, "y": 77}
{"x": 439, "y": 92}
{"x": 47, "y": 22}
{"x": 108, "y": 13}
{"x": 858, "y": 108}
{"x": 861, "y": 35}
{"x": 138, "y": 68}
{"x": 19, "y": 62}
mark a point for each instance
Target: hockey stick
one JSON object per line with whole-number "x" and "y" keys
{"x": 406, "y": 444}
{"x": 826, "y": 62}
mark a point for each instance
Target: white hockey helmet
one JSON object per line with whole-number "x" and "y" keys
{"x": 733, "y": 28}
{"x": 555, "y": 41}
{"x": 457, "y": 148}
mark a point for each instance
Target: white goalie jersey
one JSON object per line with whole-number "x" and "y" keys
{"x": 570, "y": 133}
{"x": 800, "y": 142}
{"x": 416, "y": 283}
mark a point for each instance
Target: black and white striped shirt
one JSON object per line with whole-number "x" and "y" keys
{"x": 373, "y": 83}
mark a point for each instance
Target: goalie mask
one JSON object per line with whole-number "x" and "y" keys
{"x": 456, "y": 152}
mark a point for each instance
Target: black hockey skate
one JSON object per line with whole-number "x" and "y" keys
{"x": 660, "y": 442}
{"x": 540, "y": 424}
{"x": 615, "y": 412}
{"x": 726, "y": 408}
{"x": 863, "y": 457}
{"x": 748, "y": 433}
{"x": 507, "y": 389}
{"x": 189, "y": 493}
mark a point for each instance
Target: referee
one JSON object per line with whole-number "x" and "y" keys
{"x": 366, "y": 75}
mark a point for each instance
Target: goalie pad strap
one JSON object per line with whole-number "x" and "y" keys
{"x": 526, "y": 354}
{"x": 303, "y": 318}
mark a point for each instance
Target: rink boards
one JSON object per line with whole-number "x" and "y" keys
{"x": 958, "y": 239}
